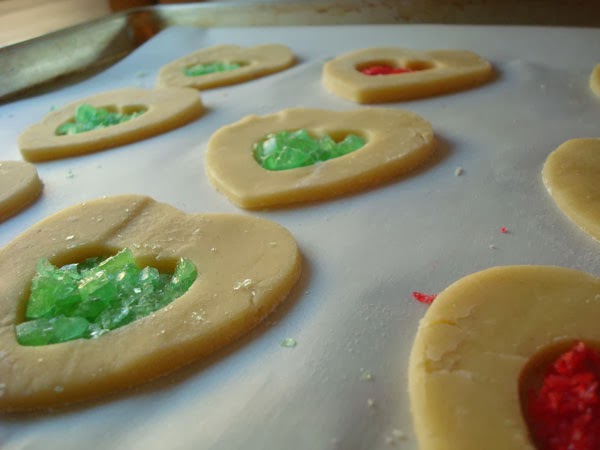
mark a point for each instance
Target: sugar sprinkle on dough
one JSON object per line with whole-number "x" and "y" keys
{"x": 437, "y": 72}
{"x": 571, "y": 174}
{"x": 256, "y": 62}
{"x": 208, "y": 316}
{"x": 474, "y": 342}
{"x": 166, "y": 109}
{"x": 20, "y": 186}
{"x": 397, "y": 142}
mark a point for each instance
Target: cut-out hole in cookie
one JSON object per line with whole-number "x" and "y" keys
{"x": 366, "y": 66}
{"x": 533, "y": 373}
{"x": 391, "y": 67}
{"x": 196, "y": 70}
{"x": 89, "y": 298}
{"x": 417, "y": 65}
{"x": 88, "y": 118}
{"x": 287, "y": 150}
{"x": 560, "y": 397}
{"x": 340, "y": 134}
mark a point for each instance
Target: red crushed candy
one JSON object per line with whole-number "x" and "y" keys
{"x": 503, "y": 230}
{"x": 565, "y": 413}
{"x": 384, "y": 69}
{"x": 424, "y": 298}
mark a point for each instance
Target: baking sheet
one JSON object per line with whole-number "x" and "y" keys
{"x": 344, "y": 385}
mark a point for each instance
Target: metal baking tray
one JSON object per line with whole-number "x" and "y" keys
{"x": 343, "y": 387}
{"x": 76, "y": 52}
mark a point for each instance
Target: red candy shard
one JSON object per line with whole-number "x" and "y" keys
{"x": 384, "y": 69}
{"x": 565, "y": 413}
{"x": 424, "y": 298}
{"x": 503, "y": 230}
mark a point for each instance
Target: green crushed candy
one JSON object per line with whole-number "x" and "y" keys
{"x": 88, "y": 299}
{"x": 291, "y": 149}
{"x": 205, "y": 69}
{"x": 88, "y": 118}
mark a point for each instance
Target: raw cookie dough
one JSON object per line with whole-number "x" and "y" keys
{"x": 397, "y": 141}
{"x": 167, "y": 108}
{"x": 474, "y": 342}
{"x": 245, "y": 265}
{"x": 256, "y": 62}
{"x": 436, "y": 72}
{"x": 571, "y": 174}
{"x": 595, "y": 80}
{"x": 19, "y": 187}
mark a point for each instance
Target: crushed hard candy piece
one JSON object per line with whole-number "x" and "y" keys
{"x": 88, "y": 118}
{"x": 88, "y": 299}
{"x": 292, "y": 149}
{"x": 424, "y": 298}
{"x": 564, "y": 413}
{"x": 205, "y": 69}
{"x": 384, "y": 69}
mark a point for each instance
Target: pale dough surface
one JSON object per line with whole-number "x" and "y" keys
{"x": 245, "y": 265}
{"x": 257, "y": 62}
{"x": 19, "y": 187}
{"x": 595, "y": 80}
{"x": 167, "y": 108}
{"x": 397, "y": 141}
{"x": 448, "y": 71}
{"x": 571, "y": 175}
{"x": 474, "y": 342}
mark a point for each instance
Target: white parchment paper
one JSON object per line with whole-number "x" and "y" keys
{"x": 344, "y": 385}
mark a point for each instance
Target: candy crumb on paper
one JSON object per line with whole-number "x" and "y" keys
{"x": 424, "y": 298}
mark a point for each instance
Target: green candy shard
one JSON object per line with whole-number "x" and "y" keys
{"x": 88, "y": 118}
{"x": 51, "y": 331}
{"x": 292, "y": 149}
{"x": 89, "y": 299}
{"x": 205, "y": 69}
{"x": 182, "y": 278}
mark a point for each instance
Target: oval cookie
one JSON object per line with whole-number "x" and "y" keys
{"x": 397, "y": 141}
{"x": 595, "y": 80}
{"x": 165, "y": 109}
{"x": 434, "y": 72}
{"x": 255, "y": 62}
{"x": 245, "y": 265}
{"x": 20, "y": 186}
{"x": 474, "y": 343}
{"x": 571, "y": 175}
